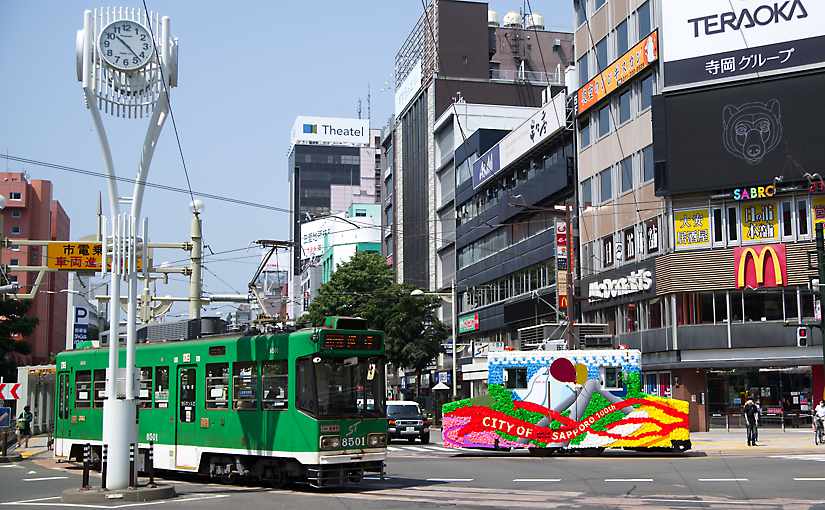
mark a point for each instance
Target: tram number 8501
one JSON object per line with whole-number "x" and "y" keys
{"x": 349, "y": 442}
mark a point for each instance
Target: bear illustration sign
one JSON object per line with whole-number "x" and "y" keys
{"x": 716, "y": 140}
{"x": 752, "y": 130}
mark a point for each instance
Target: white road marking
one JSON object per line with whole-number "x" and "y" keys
{"x": 45, "y": 478}
{"x": 415, "y": 449}
{"x": 723, "y": 479}
{"x": 377, "y": 478}
{"x": 697, "y": 501}
{"x": 441, "y": 449}
{"x": 814, "y": 457}
{"x": 809, "y": 479}
{"x": 48, "y": 502}
{"x": 393, "y": 448}
{"x": 32, "y": 473}
{"x": 628, "y": 479}
{"x": 537, "y": 480}
{"x": 449, "y": 479}
{"x": 10, "y": 466}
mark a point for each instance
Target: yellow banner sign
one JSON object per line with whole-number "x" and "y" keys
{"x": 818, "y": 209}
{"x": 74, "y": 256}
{"x": 760, "y": 221}
{"x": 692, "y": 228}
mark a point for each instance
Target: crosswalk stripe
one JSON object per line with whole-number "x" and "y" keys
{"x": 415, "y": 449}
{"x": 449, "y": 479}
{"x": 628, "y": 479}
{"x": 393, "y": 448}
{"x": 723, "y": 479}
{"x": 538, "y": 480}
{"x": 814, "y": 457}
{"x": 809, "y": 479}
{"x": 442, "y": 449}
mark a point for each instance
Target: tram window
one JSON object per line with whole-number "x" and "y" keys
{"x": 244, "y": 381}
{"x": 274, "y": 383}
{"x": 145, "y": 387}
{"x": 99, "y": 388}
{"x": 217, "y": 386}
{"x": 612, "y": 378}
{"x": 65, "y": 391}
{"x": 83, "y": 389}
{"x": 161, "y": 387}
{"x": 516, "y": 378}
{"x": 188, "y": 392}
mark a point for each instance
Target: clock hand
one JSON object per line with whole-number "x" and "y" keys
{"x": 127, "y": 46}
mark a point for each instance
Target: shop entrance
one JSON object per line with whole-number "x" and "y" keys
{"x": 783, "y": 393}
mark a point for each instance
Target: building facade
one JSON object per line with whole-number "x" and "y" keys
{"x": 697, "y": 219}
{"x": 333, "y": 163}
{"x": 32, "y": 213}
{"x": 457, "y": 51}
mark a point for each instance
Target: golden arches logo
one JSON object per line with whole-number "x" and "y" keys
{"x": 759, "y": 265}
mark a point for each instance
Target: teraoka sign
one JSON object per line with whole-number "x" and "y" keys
{"x": 708, "y": 40}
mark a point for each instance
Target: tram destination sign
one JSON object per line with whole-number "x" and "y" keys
{"x": 335, "y": 341}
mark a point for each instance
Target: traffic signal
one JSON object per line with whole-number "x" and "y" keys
{"x": 802, "y": 337}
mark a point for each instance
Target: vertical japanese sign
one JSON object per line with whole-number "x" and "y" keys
{"x": 818, "y": 209}
{"x": 692, "y": 229}
{"x": 562, "y": 264}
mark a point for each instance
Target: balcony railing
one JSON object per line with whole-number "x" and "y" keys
{"x": 517, "y": 75}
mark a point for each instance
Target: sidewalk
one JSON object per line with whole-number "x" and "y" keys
{"x": 37, "y": 446}
{"x": 770, "y": 441}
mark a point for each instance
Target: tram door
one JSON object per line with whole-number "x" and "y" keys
{"x": 186, "y": 456}
{"x": 62, "y": 429}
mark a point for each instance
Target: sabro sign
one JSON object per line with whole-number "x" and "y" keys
{"x": 638, "y": 281}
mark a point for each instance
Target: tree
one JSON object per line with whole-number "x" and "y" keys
{"x": 365, "y": 287}
{"x": 414, "y": 334}
{"x": 14, "y": 325}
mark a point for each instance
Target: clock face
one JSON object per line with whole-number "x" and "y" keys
{"x": 126, "y": 45}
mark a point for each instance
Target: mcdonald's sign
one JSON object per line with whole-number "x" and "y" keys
{"x": 760, "y": 266}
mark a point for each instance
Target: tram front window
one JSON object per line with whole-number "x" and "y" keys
{"x": 341, "y": 387}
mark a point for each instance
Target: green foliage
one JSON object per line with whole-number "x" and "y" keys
{"x": 14, "y": 324}
{"x": 597, "y": 402}
{"x": 365, "y": 287}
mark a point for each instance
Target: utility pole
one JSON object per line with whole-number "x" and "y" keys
{"x": 195, "y": 282}
{"x": 455, "y": 335}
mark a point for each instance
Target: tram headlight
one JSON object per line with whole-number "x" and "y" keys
{"x": 377, "y": 440}
{"x": 330, "y": 442}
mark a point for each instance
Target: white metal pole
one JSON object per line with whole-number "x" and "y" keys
{"x": 131, "y": 308}
{"x": 195, "y": 278}
{"x": 455, "y": 333}
{"x": 114, "y": 315}
{"x": 70, "y": 312}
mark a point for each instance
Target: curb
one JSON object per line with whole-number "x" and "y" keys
{"x": 140, "y": 494}
{"x": 14, "y": 457}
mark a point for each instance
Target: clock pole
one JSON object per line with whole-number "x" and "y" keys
{"x": 126, "y": 62}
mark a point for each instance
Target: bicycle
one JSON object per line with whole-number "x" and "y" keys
{"x": 819, "y": 431}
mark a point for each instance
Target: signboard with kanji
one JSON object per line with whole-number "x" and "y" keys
{"x": 77, "y": 256}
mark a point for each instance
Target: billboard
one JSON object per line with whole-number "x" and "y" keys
{"x": 533, "y": 131}
{"x": 734, "y": 137}
{"x": 405, "y": 92}
{"x": 331, "y": 131}
{"x": 707, "y": 40}
{"x": 636, "y": 60}
{"x": 760, "y": 266}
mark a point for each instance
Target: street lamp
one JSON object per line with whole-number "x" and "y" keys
{"x": 450, "y": 298}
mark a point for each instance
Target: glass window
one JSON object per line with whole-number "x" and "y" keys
{"x": 515, "y": 378}
{"x": 761, "y": 306}
{"x": 605, "y": 185}
{"x": 161, "y": 387}
{"x": 652, "y": 235}
{"x": 622, "y": 43}
{"x": 217, "y": 385}
{"x": 643, "y": 15}
{"x": 584, "y": 132}
{"x": 581, "y": 11}
{"x": 626, "y": 166}
{"x": 597, "y": 4}
{"x": 584, "y": 73}
{"x": 721, "y": 302}
{"x": 647, "y": 93}
{"x": 718, "y": 226}
{"x": 787, "y": 219}
{"x": 647, "y": 164}
{"x": 612, "y": 377}
{"x": 187, "y": 394}
{"x": 99, "y": 387}
{"x": 601, "y": 54}
{"x": 807, "y": 298}
{"x": 733, "y": 224}
{"x": 706, "y": 315}
{"x": 630, "y": 243}
{"x": 791, "y": 309}
{"x": 587, "y": 193}
{"x": 244, "y": 386}
{"x": 624, "y": 107}
{"x": 83, "y": 389}
{"x": 736, "y": 306}
{"x": 802, "y": 216}
{"x": 604, "y": 120}
{"x": 274, "y": 385}
{"x": 145, "y": 387}
{"x": 341, "y": 387}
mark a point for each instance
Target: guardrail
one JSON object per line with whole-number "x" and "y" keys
{"x": 735, "y": 420}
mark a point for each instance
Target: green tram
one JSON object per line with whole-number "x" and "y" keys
{"x": 304, "y": 406}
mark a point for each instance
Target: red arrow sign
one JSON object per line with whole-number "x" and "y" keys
{"x": 10, "y": 393}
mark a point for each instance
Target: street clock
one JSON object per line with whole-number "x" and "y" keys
{"x": 126, "y": 45}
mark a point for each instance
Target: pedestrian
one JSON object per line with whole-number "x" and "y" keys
{"x": 751, "y": 413}
{"x": 24, "y": 426}
{"x": 758, "y": 416}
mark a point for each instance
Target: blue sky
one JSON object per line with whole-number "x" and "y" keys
{"x": 247, "y": 69}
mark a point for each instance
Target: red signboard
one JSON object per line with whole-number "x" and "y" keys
{"x": 760, "y": 266}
